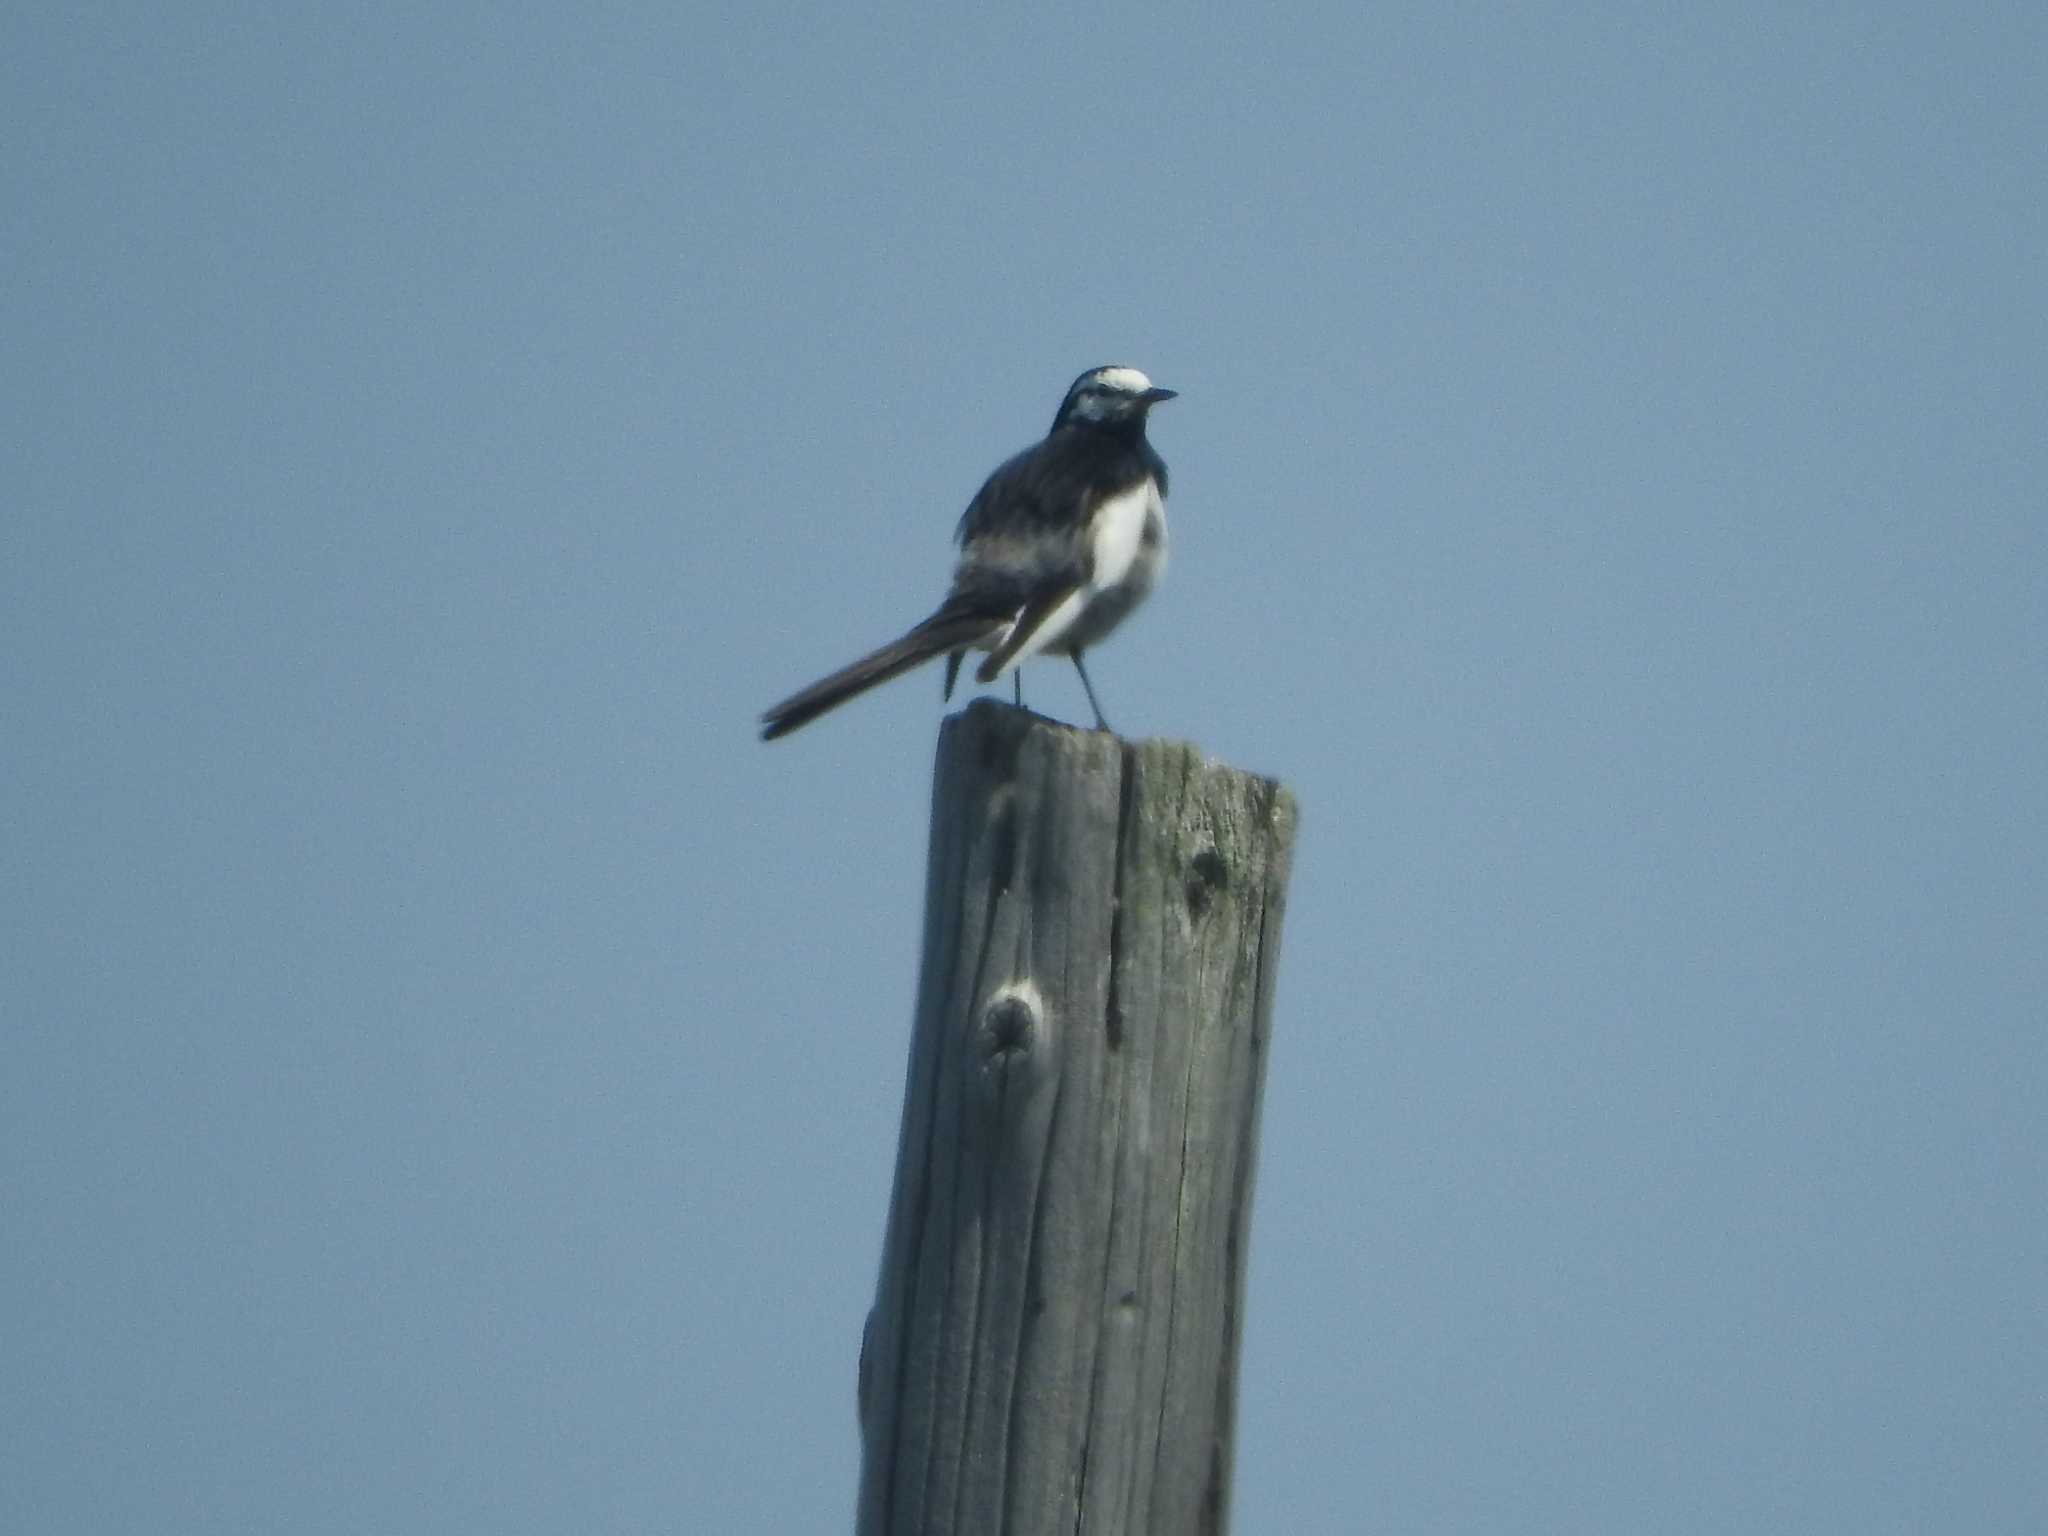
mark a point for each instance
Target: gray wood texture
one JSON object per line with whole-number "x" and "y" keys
{"x": 1054, "y": 1341}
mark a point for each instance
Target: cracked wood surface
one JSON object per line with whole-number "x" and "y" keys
{"x": 1054, "y": 1340}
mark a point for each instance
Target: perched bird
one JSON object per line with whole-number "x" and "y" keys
{"x": 1057, "y": 547}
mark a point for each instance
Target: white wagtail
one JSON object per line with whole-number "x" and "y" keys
{"x": 1058, "y": 546}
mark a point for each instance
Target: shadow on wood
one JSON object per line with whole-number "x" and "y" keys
{"x": 1054, "y": 1341}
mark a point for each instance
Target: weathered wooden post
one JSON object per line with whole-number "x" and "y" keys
{"x": 1053, "y": 1346}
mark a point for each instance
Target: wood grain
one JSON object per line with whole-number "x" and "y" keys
{"x": 1054, "y": 1340}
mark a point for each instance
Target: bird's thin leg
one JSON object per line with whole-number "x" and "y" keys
{"x": 1017, "y": 686}
{"x": 1100, "y": 723}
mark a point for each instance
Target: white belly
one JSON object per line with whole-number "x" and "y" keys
{"x": 1130, "y": 557}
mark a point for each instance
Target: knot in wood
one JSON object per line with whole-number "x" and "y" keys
{"x": 1208, "y": 875}
{"x": 1011, "y": 1022}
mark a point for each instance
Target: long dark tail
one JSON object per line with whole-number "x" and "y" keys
{"x": 944, "y": 631}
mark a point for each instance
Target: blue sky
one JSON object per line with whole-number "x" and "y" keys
{"x": 453, "y": 1068}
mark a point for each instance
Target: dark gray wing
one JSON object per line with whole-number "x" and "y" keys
{"x": 1025, "y": 536}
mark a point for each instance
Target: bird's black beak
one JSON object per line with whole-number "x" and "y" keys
{"x": 1154, "y": 396}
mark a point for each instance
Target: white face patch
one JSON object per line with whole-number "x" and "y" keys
{"x": 1126, "y": 381}
{"x": 1108, "y": 394}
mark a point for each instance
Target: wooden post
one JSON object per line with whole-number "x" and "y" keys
{"x": 1053, "y": 1346}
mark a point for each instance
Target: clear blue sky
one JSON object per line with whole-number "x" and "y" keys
{"x": 452, "y": 1069}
